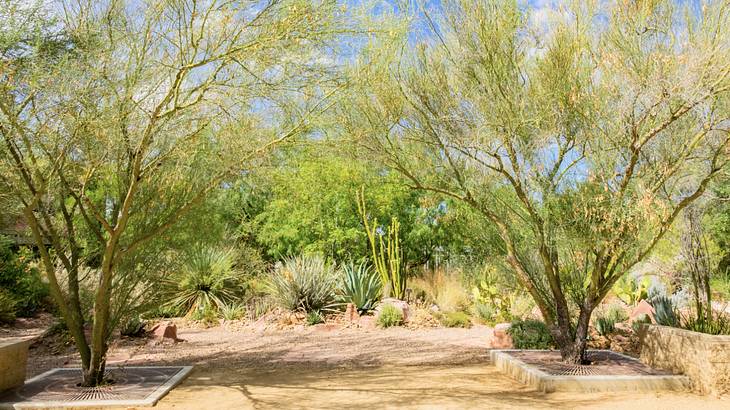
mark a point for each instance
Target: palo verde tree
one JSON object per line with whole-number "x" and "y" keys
{"x": 580, "y": 137}
{"x": 117, "y": 119}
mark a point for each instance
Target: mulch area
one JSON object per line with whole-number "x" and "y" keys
{"x": 603, "y": 363}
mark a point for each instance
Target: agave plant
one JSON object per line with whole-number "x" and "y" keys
{"x": 665, "y": 313}
{"x": 304, "y": 283}
{"x": 207, "y": 281}
{"x": 361, "y": 286}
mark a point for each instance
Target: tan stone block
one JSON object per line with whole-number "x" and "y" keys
{"x": 13, "y": 360}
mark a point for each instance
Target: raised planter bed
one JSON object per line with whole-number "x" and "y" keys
{"x": 704, "y": 358}
{"x": 610, "y": 372}
{"x": 13, "y": 360}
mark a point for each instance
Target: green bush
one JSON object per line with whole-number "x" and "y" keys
{"x": 304, "y": 283}
{"x": 232, "y": 311}
{"x": 361, "y": 286}
{"x": 530, "y": 334}
{"x": 7, "y": 307}
{"x": 206, "y": 281}
{"x": 605, "y": 325}
{"x": 132, "y": 326}
{"x": 390, "y": 316}
{"x": 21, "y": 279}
{"x": 719, "y": 325}
{"x": 455, "y": 319}
{"x": 314, "y": 317}
{"x": 617, "y": 313}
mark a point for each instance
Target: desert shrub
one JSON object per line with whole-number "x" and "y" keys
{"x": 630, "y": 289}
{"x": 361, "y": 286}
{"x": 304, "y": 283}
{"x": 207, "y": 316}
{"x": 442, "y": 287}
{"x": 132, "y": 326}
{"x": 7, "y": 307}
{"x": 455, "y": 319}
{"x": 314, "y": 317}
{"x": 719, "y": 325}
{"x": 206, "y": 281}
{"x": 664, "y": 312}
{"x": 232, "y": 311}
{"x": 20, "y": 278}
{"x": 617, "y": 313}
{"x": 605, "y": 325}
{"x": 639, "y": 321}
{"x": 486, "y": 313}
{"x": 390, "y": 316}
{"x": 530, "y": 334}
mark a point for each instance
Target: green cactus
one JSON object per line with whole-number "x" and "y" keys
{"x": 664, "y": 312}
{"x": 387, "y": 254}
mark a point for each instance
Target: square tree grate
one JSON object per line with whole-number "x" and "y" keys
{"x": 134, "y": 386}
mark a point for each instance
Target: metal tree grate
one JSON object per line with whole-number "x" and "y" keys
{"x": 576, "y": 370}
{"x": 62, "y": 385}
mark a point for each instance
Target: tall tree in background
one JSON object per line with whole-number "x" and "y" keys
{"x": 580, "y": 138}
{"x": 119, "y": 117}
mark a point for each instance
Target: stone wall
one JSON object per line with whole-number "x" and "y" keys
{"x": 705, "y": 359}
{"x": 13, "y": 359}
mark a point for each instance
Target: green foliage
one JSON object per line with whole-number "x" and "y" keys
{"x": 314, "y": 317}
{"x": 304, "y": 283}
{"x": 361, "y": 286}
{"x": 495, "y": 298}
{"x": 665, "y": 313}
{"x": 719, "y": 325}
{"x": 133, "y": 326}
{"x": 387, "y": 255}
{"x": 207, "y": 315}
{"x": 21, "y": 279}
{"x": 206, "y": 281}
{"x": 530, "y": 334}
{"x": 644, "y": 319}
{"x": 442, "y": 287}
{"x": 390, "y": 316}
{"x": 632, "y": 290}
{"x": 617, "y": 313}
{"x": 455, "y": 319}
{"x": 7, "y": 306}
{"x": 232, "y": 311}
{"x": 605, "y": 325}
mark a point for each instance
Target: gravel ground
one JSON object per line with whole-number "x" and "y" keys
{"x": 329, "y": 367}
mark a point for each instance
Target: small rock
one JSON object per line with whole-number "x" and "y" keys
{"x": 351, "y": 314}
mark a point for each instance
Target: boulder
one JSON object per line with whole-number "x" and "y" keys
{"x": 643, "y": 308}
{"x": 165, "y": 331}
{"x": 500, "y": 337}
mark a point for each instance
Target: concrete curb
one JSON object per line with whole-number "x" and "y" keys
{"x": 541, "y": 381}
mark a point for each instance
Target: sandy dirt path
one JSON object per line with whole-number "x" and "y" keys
{"x": 322, "y": 367}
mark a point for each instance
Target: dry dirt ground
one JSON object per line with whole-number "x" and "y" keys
{"x": 327, "y": 367}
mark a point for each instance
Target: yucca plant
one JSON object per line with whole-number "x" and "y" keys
{"x": 304, "y": 283}
{"x": 665, "y": 313}
{"x": 361, "y": 286}
{"x": 207, "y": 281}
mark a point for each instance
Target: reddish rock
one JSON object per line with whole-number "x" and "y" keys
{"x": 643, "y": 308}
{"x": 166, "y": 331}
{"x": 351, "y": 314}
{"x": 500, "y": 338}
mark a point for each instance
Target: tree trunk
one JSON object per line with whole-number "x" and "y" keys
{"x": 94, "y": 373}
{"x": 573, "y": 346}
